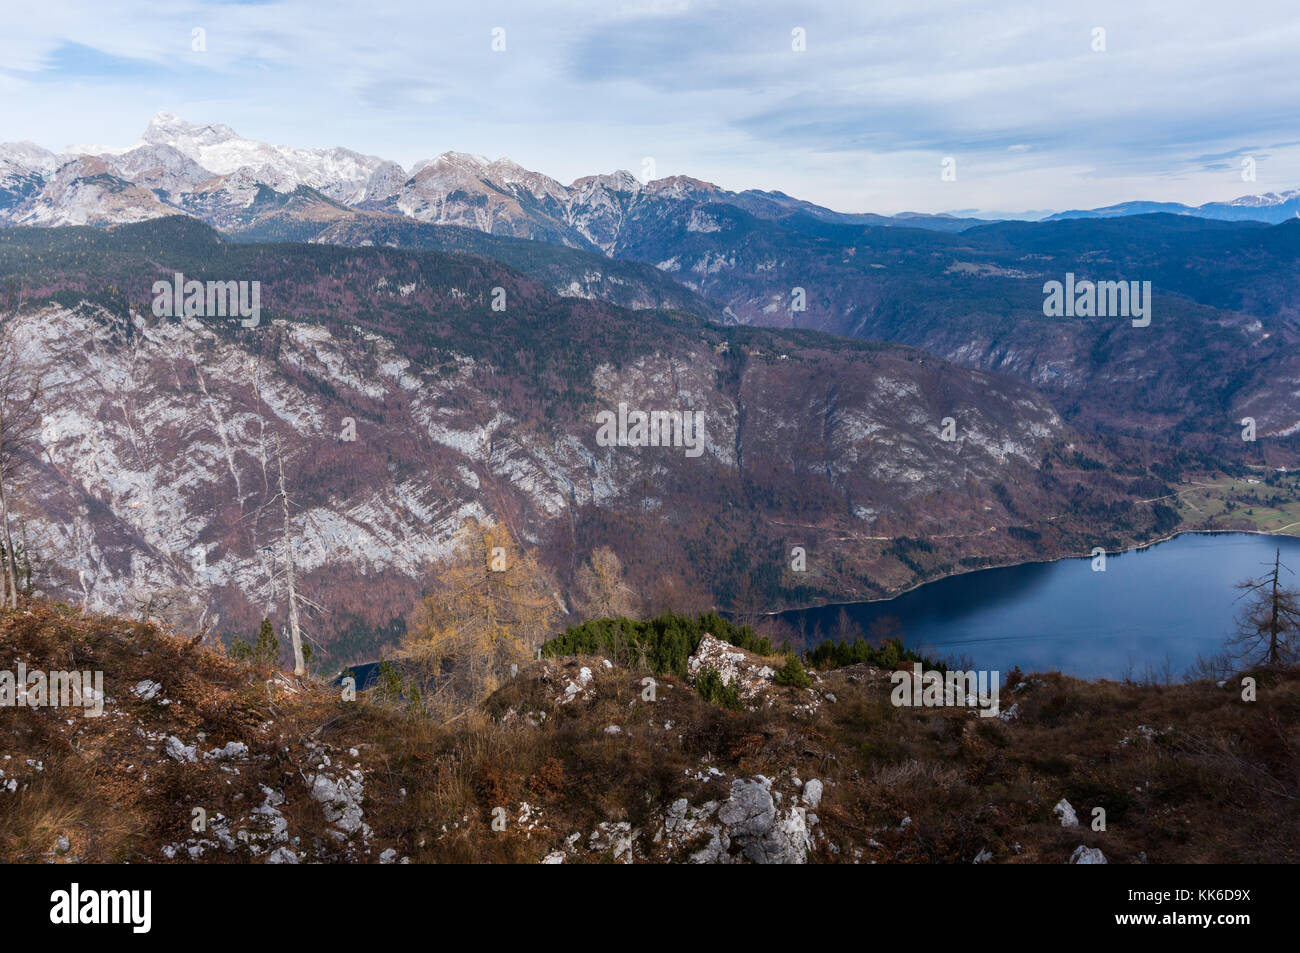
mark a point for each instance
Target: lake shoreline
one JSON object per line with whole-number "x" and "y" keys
{"x": 1010, "y": 565}
{"x": 1167, "y": 611}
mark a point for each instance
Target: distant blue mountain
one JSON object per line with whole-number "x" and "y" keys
{"x": 1271, "y": 207}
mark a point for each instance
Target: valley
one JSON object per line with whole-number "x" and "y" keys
{"x": 1263, "y": 501}
{"x": 884, "y": 395}
{"x": 899, "y": 466}
{"x": 155, "y": 455}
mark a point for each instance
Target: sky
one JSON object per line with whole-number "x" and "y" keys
{"x": 853, "y": 104}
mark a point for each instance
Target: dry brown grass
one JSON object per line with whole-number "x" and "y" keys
{"x": 1217, "y": 781}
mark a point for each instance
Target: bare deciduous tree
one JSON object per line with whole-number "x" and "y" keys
{"x": 1268, "y": 629}
{"x": 180, "y": 607}
{"x": 295, "y": 632}
{"x": 19, "y": 419}
{"x": 600, "y": 590}
{"x": 287, "y": 567}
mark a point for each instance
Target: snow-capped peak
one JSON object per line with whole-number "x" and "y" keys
{"x": 620, "y": 181}
{"x": 1267, "y": 199}
{"x": 97, "y": 149}
{"x": 338, "y": 173}
{"x": 28, "y": 156}
{"x": 453, "y": 161}
{"x": 168, "y": 130}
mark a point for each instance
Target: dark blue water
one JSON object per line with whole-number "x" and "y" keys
{"x": 1151, "y": 610}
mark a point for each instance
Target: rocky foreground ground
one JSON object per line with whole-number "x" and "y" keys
{"x": 198, "y": 757}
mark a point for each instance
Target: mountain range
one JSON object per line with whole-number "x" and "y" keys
{"x": 884, "y": 393}
{"x": 966, "y": 290}
{"x": 213, "y": 173}
{"x": 155, "y": 460}
{"x": 1270, "y": 207}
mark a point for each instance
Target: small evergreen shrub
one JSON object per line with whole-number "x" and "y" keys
{"x": 663, "y": 644}
{"x": 266, "y": 651}
{"x": 793, "y": 674}
{"x": 709, "y": 685}
{"x": 890, "y": 654}
{"x": 397, "y": 690}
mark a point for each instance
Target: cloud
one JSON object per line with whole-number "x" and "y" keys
{"x": 76, "y": 59}
{"x": 857, "y": 120}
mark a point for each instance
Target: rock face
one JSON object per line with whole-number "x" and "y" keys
{"x": 977, "y": 303}
{"x": 754, "y": 829}
{"x": 404, "y": 408}
{"x": 733, "y": 665}
{"x": 179, "y": 751}
{"x": 1087, "y": 855}
{"x": 577, "y": 688}
{"x": 341, "y": 800}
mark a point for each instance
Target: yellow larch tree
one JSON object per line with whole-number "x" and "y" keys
{"x": 489, "y": 606}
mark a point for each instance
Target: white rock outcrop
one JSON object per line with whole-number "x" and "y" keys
{"x": 1087, "y": 855}
{"x": 753, "y": 829}
{"x": 812, "y": 794}
{"x": 1066, "y": 812}
{"x": 733, "y": 666}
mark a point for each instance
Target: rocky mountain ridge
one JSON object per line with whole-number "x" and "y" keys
{"x": 417, "y": 405}
{"x": 969, "y": 292}
{"x": 211, "y": 172}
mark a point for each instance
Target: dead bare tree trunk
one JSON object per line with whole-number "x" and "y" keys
{"x": 11, "y": 555}
{"x": 1268, "y": 630}
{"x": 1274, "y": 627}
{"x": 295, "y": 634}
{"x": 18, "y": 423}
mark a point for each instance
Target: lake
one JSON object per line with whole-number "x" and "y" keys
{"x": 1167, "y": 604}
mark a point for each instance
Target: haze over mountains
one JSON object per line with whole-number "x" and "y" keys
{"x": 1271, "y": 207}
